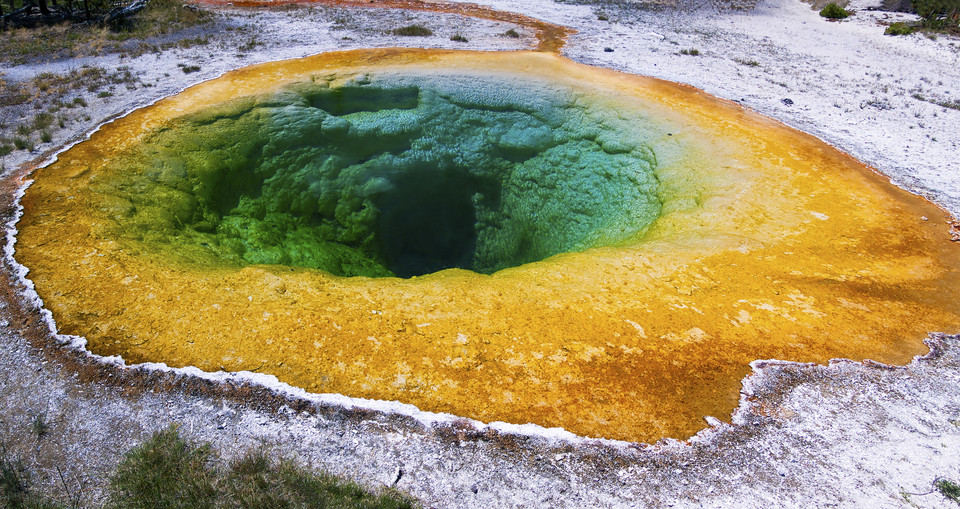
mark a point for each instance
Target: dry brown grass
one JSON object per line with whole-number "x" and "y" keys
{"x": 69, "y": 40}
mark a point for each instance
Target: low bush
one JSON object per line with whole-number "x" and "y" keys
{"x": 899, "y": 28}
{"x": 834, "y": 11}
{"x": 413, "y": 31}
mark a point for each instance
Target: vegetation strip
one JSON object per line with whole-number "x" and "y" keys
{"x": 170, "y": 471}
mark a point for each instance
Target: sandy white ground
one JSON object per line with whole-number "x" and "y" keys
{"x": 845, "y": 435}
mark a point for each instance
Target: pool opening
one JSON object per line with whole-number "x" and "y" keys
{"x": 391, "y": 176}
{"x": 428, "y": 223}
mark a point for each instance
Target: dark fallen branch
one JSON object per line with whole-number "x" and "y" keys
{"x": 23, "y": 11}
{"x": 121, "y": 13}
{"x": 30, "y": 15}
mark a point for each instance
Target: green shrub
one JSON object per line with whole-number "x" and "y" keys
{"x": 459, "y": 38}
{"x": 513, "y": 34}
{"x": 413, "y": 31}
{"x": 899, "y": 28}
{"x": 834, "y": 11}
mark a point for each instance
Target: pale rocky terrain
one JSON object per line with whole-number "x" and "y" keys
{"x": 845, "y": 435}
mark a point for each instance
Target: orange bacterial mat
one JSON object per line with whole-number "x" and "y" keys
{"x": 765, "y": 243}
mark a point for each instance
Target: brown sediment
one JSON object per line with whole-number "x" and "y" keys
{"x": 792, "y": 250}
{"x": 551, "y": 38}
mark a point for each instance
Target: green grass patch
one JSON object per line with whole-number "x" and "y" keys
{"x": 42, "y": 121}
{"x": 834, "y": 11}
{"x": 952, "y": 105}
{"x": 513, "y": 34}
{"x": 459, "y": 38}
{"x": 413, "y": 31}
{"x": 166, "y": 471}
{"x": 169, "y": 471}
{"x": 899, "y": 28}
{"x": 692, "y": 52}
{"x": 12, "y": 94}
{"x": 22, "y": 143}
{"x": 949, "y": 489}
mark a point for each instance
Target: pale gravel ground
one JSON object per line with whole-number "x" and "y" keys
{"x": 844, "y": 435}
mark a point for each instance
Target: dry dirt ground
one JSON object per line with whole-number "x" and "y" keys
{"x": 847, "y": 435}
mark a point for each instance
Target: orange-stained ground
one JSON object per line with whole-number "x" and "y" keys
{"x": 774, "y": 245}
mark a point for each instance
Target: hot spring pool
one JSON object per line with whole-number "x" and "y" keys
{"x": 501, "y": 236}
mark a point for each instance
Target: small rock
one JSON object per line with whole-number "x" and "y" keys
{"x": 788, "y": 102}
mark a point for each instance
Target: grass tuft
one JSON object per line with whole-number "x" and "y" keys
{"x": 899, "y": 28}
{"x": 42, "y": 121}
{"x": 692, "y": 52}
{"x": 513, "y": 34}
{"x": 413, "y": 31}
{"x": 834, "y": 11}
{"x": 22, "y": 143}
{"x": 949, "y": 489}
{"x": 459, "y": 38}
